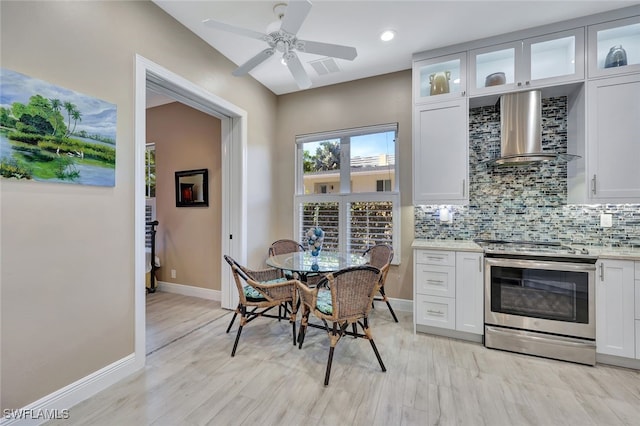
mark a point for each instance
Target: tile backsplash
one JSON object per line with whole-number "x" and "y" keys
{"x": 526, "y": 202}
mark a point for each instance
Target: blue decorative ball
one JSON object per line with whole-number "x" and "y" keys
{"x": 318, "y": 232}
{"x": 315, "y": 252}
{"x": 315, "y": 267}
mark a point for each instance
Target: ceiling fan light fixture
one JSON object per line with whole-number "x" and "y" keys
{"x": 387, "y": 35}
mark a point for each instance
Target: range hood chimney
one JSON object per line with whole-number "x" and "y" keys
{"x": 521, "y": 130}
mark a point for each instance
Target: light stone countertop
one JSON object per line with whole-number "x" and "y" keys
{"x": 450, "y": 245}
{"x": 617, "y": 253}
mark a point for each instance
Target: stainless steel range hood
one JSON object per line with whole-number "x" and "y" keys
{"x": 521, "y": 130}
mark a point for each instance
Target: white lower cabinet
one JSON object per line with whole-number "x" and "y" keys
{"x": 615, "y": 308}
{"x": 449, "y": 290}
{"x": 469, "y": 292}
{"x": 638, "y": 310}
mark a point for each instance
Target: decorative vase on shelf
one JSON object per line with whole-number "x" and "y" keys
{"x": 495, "y": 79}
{"x": 439, "y": 82}
{"x": 617, "y": 57}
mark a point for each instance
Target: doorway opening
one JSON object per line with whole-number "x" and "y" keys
{"x": 234, "y": 140}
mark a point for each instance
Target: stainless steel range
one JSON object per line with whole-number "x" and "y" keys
{"x": 540, "y": 299}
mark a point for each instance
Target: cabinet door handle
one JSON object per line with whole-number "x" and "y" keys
{"x": 601, "y": 272}
{"x": 435, "y": 257}
{"x": 519, "y": 83}
{"x": 463, "y": 93}
{"x": 480, "y": 264}
{"x": 526, "y": 83}
{"x": 464, "y": 185}
{"x": 593, "y": 185}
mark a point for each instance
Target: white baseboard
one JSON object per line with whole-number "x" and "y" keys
{"x": 189, "y": 290}
{"x": 57, "y": 404}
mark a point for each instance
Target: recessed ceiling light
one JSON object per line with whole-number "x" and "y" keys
{"x": 387, "y": 35}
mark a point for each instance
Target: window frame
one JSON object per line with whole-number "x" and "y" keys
{"x": 344, "y": 196}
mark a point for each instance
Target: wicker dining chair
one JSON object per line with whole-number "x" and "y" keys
{"x": 261, "y": 290}
{"x": 285, "y": 246}
{"x": 343, "y": 298}
{"x": 380, "y": 256}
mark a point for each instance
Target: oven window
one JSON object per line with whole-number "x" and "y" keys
{"x": 540, "y": 293}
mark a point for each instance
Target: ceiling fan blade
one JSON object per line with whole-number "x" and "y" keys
{"x": 294, "y": 15}
{"x": 297, "y": 70}
{"x": 233, "y": 29}
{"x": 254, "y": 62}
{"x": 327, "y": 49}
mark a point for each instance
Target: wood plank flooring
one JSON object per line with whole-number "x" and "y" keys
{"x": 191, "y": 379}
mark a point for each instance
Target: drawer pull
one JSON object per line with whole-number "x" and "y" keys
{"x": 435, "y": 257}
{"x": 432, "y": 312}
{"x": 436, "y": 282}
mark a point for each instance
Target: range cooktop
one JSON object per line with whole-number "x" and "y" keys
{"x": 533, "y": 248}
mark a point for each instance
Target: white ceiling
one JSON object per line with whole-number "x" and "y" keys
{"x": 420, "y": 25}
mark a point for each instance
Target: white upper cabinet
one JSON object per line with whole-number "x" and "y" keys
{"x": 440, "y": 153}
{"x": 547, "y": 60}
{"x": 614, "y": 47}
{"x": 438, "y": 79}
{"x": 613, "y": 151}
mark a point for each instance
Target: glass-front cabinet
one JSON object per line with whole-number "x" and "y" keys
{"x": 614, "y": 47}
{"x": 439, "y": 79}
{"x": 548, "y": 60}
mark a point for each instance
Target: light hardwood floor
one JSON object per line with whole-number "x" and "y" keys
{"x": 191, "y": 379}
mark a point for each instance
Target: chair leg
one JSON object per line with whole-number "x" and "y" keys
{"x": 233, "y": 318}
{"x": 303, "y": 326}
{"x": 293, "y": 322}
{"x": 331, "y": 349}
{"x": 367, "y": 333}
{"x": 243, "y": 320}
{"x": 354, "y": 328}
{"x": 386, "y": 299}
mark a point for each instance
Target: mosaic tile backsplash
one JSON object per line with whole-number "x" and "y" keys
{"x": 526, "y": 202}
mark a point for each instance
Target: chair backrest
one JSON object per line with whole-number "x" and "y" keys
{"x": 380, "y": 255}
{"x": 284, "y": 247}
{"x": 352, "y": 290}
{"x": 239, "y": 273}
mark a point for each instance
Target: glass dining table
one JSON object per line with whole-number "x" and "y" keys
{"x": 304, "y": 264}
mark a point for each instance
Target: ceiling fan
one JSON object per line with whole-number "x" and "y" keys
{"x": 281, "y": 38}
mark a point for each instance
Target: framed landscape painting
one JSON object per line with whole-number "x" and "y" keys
{"x": 52, "y": 134}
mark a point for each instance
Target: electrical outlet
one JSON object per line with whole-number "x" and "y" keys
{"x": 173, "y": 273}
{"x": 606, "y": 220}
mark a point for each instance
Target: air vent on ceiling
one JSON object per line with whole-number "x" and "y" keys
{"x": 325, "y": 66}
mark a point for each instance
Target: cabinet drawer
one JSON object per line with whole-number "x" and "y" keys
{"x": 435, "y": 280}
{"x": 430, "y": 257}
{"x": 436, "y": 311}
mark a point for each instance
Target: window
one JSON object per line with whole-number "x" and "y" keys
{"x": 383, "y": 185}
{"x": 346, "y": 183}
{"x": 150, "y": 189}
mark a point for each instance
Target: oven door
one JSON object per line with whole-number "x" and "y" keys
{"x": 540, "y": 295}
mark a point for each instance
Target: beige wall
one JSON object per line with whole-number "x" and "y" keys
{"x": 67, "y": 265}
{"x": 188, "y": 238}
{"x": 67, "y": 272}
{"x": 376, "y": 100}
